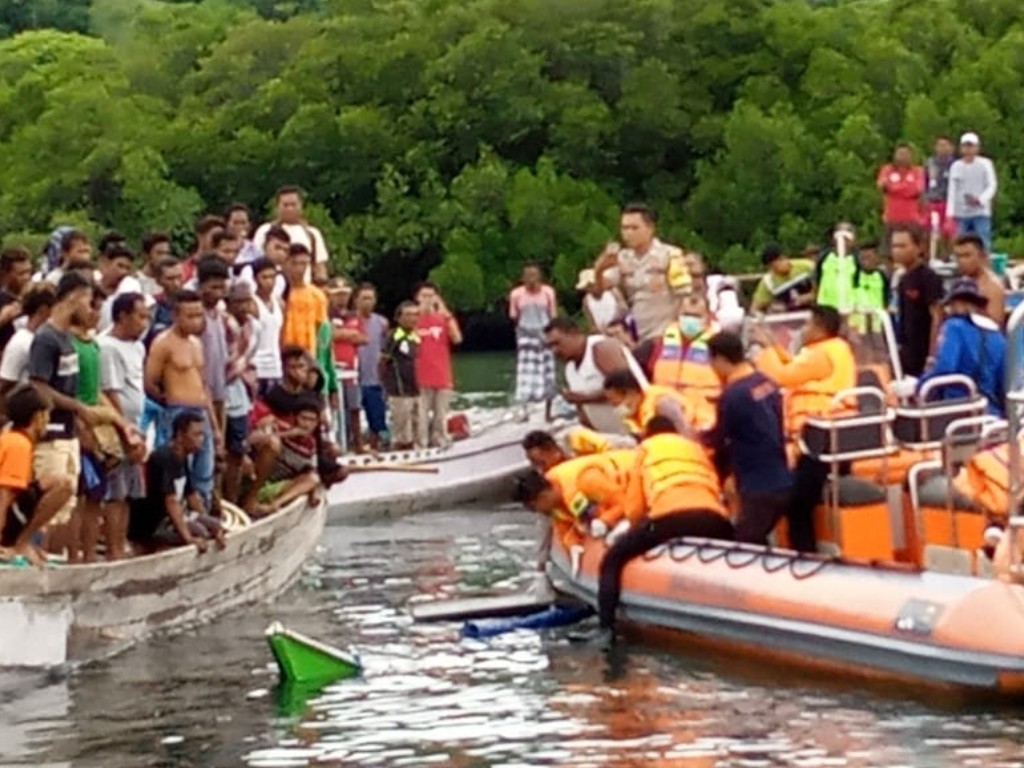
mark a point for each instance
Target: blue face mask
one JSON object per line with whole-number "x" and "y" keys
{"x": 691, "y": 326}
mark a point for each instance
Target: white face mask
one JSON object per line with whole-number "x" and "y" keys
{"x": 624, "y": 410}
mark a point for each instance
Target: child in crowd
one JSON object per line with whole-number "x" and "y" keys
{"x": 398, "y": 375}
{"x": 26, "y": 506}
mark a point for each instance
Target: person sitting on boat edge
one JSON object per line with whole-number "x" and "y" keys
{"x": 588, "y": 361}
{"x": 748, "y": 439}
{"x": 173, "y": 512}
{"x": 284, "y": 437}
{"x": 823, "y": 368}
{"x": 679, "y": 360}
{"x": 673, "y": 492}
{"x": 971, "y": 344}
{"x": 636, "y": 404}
{"x": 27, "y": 505}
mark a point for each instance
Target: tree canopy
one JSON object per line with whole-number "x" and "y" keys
{"x": 459, "y": 138}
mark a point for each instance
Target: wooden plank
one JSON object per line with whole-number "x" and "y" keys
{"x": 495, "y": 606}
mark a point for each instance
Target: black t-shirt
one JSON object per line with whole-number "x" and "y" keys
{"x": 53, "y": 359}
{"x": 166, "y": 475}
{"x": 919, "y": 289}
{"x": 749, "y": 432}
{"x": 6, "y": 329}
{"x": 285, "y": 403}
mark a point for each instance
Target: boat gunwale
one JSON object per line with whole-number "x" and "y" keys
{"x": 37, "y": 582}
{"x": 976, "y": 669}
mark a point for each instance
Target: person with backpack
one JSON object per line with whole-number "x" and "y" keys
{"x": 971, "y": 344}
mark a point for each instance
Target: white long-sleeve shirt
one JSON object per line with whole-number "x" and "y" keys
{"x": 977, "y": 178}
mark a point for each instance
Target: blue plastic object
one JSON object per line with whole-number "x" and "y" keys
{"x": 555, "y": 616}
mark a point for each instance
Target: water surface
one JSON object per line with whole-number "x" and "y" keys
{"x": 429, "y": 697}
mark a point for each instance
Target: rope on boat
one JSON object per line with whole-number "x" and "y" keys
{"x": 771, "y": 561}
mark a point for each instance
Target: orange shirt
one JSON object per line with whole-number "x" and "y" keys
{"x": 15, "y": 460}
{"x": 304, "y": 311}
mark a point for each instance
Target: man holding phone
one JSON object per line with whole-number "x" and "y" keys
{"x": 438, "y": 331}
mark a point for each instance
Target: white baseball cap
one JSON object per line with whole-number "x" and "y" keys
{"x": 970, "y": 138}
{"x": 586, "y": 279}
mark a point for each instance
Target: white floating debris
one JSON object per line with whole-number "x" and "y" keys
{"x": 171, "y": 740}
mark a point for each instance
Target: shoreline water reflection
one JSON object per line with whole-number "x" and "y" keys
{"x": 430, "y": 697}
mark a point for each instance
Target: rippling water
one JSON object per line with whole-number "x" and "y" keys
{"x": 429, "y": 697}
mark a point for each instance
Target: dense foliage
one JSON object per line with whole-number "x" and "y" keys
{"x": 462, "y": 137}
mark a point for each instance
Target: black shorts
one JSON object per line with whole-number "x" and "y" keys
{"x": 20, "y": 513}
{"x": 236, "y": 435}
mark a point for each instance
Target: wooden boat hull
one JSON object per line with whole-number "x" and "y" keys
{"x": 928, "y": 629}
{"x": 79, "y": 613}
{"x": 478, "y": 469}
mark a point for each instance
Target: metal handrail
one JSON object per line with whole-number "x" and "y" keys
{"x": 949, "y": 380}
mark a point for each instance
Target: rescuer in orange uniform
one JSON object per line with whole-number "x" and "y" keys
{"x": 823, "y": 368}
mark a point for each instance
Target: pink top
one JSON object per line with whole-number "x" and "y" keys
{"x": 521, "y": 298}
{"x": 434, "y": 361}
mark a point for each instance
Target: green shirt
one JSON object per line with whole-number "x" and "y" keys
{"x": 325, "y": 357}
{"x": 766, "y": 289}
{"x": 88, "y": 370}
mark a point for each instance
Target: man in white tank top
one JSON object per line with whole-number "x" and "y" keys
{"x": 588, "y": 360}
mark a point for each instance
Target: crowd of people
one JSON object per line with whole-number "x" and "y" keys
{"x": 138, "y": 401}
{"x": 691, "y": 416}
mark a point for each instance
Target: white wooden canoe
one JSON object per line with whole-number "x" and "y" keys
{"x": 478, "y": 469}
{"x": 81, "y": 612}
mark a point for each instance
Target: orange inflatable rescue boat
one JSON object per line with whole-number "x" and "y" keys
{"x": 905, "y": 586}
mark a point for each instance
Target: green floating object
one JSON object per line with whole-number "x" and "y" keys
{"x": 305, "y": 661}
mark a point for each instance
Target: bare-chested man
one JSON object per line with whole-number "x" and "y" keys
{"x": 174, "y": 377}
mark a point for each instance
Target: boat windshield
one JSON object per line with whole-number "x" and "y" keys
{"x": 870, "y": 334}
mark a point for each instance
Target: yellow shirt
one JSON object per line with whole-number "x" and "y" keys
{"x": 304, "y": 311}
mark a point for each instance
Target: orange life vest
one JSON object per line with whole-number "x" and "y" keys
{"x": 700, "y": 414}
{"x": 985, "y": 479}
{"x": 576, "y": 507}
{"x": 686, "y": 364}
{"x": 676, "y": 474}
{"x": 815, "y": 397}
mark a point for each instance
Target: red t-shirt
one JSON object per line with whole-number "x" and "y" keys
{"x": 434, "y": 362}
{"x": 345, "y": 351}
{"x": 903, "y": 190}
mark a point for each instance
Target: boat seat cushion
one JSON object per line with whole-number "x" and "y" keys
{"x": 857, "y": 492}
{"x": 936, "y": 491}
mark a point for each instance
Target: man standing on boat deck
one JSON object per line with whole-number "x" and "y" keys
{"x": 651, "y": 274}
{"x": 213, "y": 288}
{"x": 175, "y": 377}
{"x": 305, "y": 308}
{"x": 275, "y": 251}
{"x": 53, "y": 370}
{"x": 824, "y": 367}
{"x": 972, "y": 189}
{"x": 398, "y": 374}
{"x": 919, "y": 301}
{"x": 748, "y": 439}
{"x": 122, "y": 360}
{"x": 289, "y": 217}
{"x": 973, "y": 264}
{"x": 38, "y": 303}
{"x": 837, "y": 270}
{"x": 206, "y": 228}
{"x": 588, "y": 361}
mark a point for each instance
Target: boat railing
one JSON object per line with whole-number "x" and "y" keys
{"x": 922, "y": 426}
